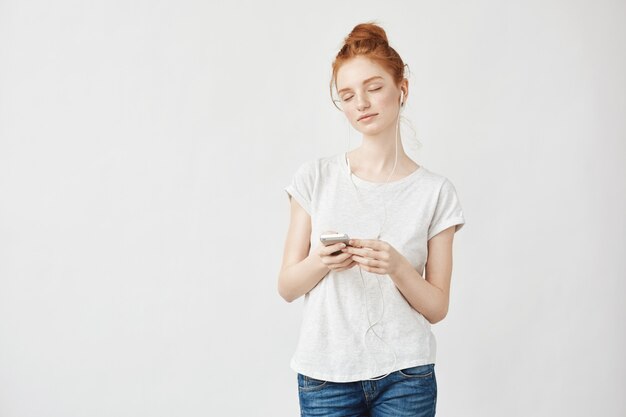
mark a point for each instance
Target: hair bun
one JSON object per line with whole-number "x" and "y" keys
{"x": 366, "y": 33}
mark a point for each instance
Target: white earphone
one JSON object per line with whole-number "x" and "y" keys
{"x": 401, "y": 98}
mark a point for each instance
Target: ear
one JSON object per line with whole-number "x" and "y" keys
{"x": 404, "y": 87}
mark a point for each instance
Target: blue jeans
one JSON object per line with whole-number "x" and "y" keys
{"x": 410, "y": 392}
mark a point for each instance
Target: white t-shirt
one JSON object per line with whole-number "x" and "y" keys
{"x": 331, "y": 344}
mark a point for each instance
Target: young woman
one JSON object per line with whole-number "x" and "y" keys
{"x": 365, "y": 346}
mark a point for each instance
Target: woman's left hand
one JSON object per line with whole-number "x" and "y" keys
{"x": 375, "y": 256}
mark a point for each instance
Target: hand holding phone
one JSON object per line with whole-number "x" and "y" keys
{"x": 337, "y": 260}
{"x": 332, "y": 238}
{"x": 328, "y": 239}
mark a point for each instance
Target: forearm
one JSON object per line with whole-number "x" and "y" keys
{"x": 424, "y": 297}
{"x": 298, "y": 279}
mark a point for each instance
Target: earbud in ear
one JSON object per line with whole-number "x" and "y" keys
{"x": 401, "y": 98}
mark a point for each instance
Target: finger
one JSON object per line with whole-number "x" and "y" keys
{"x": 344, "y": 258}
{"x": 367, "y": 243}
{"x": 367, "y": 261}
{"x": 350, "y": 265}
{"x": 340, "y": 266}
{"x": 366, "y": 252}
{"x": 327, "y": 250}
{"x": 345, "y": 268}
{"x": 336, "y": 259}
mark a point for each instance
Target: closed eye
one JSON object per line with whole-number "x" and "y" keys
{"x": 349, "y": 97}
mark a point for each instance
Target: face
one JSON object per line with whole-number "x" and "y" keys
{"x": 368, "y": 95}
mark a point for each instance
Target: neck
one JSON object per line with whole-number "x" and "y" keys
{"x": 377, "y": 154}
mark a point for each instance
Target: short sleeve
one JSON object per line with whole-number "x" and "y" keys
{"x": 448, "y": 211}
{"x": 301, "y": 186}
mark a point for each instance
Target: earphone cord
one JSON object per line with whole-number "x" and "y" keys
{"x": 395, "y": 357}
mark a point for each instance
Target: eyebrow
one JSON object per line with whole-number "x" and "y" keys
{"x": 364, "y": 82}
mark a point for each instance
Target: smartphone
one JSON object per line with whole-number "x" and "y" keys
{"x": 332, "y": 238}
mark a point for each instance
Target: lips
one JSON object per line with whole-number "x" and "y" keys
{"x": 367, "y": 116}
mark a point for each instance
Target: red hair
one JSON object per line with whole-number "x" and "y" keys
{"x": 369, "y": 40}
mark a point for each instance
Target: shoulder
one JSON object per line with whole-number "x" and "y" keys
{"x": 446, "y": 206}
{"x": 435, "y": 180}
{"x": 325, "y": 165}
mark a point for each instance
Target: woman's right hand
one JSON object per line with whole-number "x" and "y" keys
{"x": 339, "y": 262}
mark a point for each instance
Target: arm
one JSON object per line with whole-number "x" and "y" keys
{"x": 302, "y": 268}
{"x": 430, "y": 296}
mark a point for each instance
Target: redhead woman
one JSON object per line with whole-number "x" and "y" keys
{"x": 371, "y": 295}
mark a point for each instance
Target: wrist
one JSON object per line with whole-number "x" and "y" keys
{"x": 401, "y": 271}
{"x": 316, "y": 262}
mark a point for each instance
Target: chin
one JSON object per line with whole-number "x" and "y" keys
{"x": 370, "y": 130}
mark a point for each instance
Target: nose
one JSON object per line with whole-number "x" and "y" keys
{"x": 361, "y": 102}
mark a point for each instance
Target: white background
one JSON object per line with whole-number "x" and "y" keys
{"x": 144, "y": 147}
